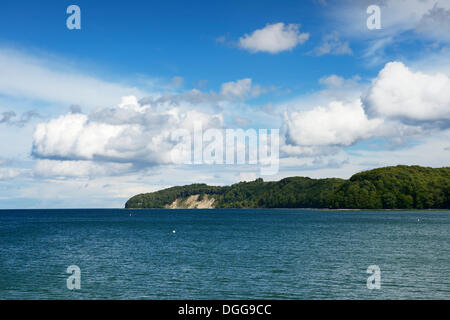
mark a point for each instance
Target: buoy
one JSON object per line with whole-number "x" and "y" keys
{"x": 173, "y": 231}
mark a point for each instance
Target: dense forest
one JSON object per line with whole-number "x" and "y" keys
{"x": 400, "y": 187}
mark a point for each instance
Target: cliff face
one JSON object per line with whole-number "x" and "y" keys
{"x": 192, "y": 202}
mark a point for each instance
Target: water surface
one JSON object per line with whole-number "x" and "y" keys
{"x": 224, "y": 254}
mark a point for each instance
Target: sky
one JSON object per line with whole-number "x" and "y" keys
{"x": 87, "y": 115}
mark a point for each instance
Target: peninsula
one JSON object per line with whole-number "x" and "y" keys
{"x": 399, "y": 187}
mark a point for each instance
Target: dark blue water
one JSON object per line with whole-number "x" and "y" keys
{"x": 224, "y": 254}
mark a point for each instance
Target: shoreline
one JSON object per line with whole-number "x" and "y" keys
{"x": 205, "y": 209}
{"x": 314, "y": 209}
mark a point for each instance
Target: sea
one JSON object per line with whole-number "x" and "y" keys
{"x": 224, "y": 254}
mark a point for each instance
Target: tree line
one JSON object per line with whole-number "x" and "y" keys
{"x": 399, "y": 187}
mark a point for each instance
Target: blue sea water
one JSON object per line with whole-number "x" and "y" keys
{"x": 224, "y": 254}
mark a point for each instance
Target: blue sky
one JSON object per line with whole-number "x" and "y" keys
{"x": 172, "y": 38}
{"x": 345, "y": 98}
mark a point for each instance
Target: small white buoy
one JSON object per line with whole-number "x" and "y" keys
{"x": 418, "y": 220}
{"x": 173, "y": 231}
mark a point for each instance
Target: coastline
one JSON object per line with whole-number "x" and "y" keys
{"x": 312, "y": 209}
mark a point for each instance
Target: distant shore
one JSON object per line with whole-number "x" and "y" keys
{"x": 390, "y": 188}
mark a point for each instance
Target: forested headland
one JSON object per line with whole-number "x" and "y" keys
{"x": 399, "y": 187}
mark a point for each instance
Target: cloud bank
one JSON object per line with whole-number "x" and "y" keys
{"x": 129, "y": 133}
{"x": 398, "y": 104}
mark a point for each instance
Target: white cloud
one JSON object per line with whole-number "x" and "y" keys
{"x": 398, "y": 105}
{"x": 26, "y": 76}
{"x": 337, "y": 82}
{"x": 398, "y": 92}
{"x": 397, "y": 16}
{"x": 331, "y": 44}
{"x": 435, "y": 24}
{"x": 238, "y": 89}
{"x": 230, "y": 91}
{"x": 340, "y": 124}
{"x": 74, "y": 136}
{"x": 273, "y": 38}
{"x": 241, "y": 90}
{"x": 130, "y": 133}
{"x": 432, "y": 150}
{"x": 402, "y": 21}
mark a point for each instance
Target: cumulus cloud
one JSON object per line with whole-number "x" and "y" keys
{"x": 398, "y": 105}
{"x": 129, "y": 133}
{"x": 241, "y": 89}
{"x": 274, "y": 38}
{"x": 338, "y": 124}
{"x": 138, "y": 134}
{"x": 238, "y": 88}
{"x": 398, "y": 92}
